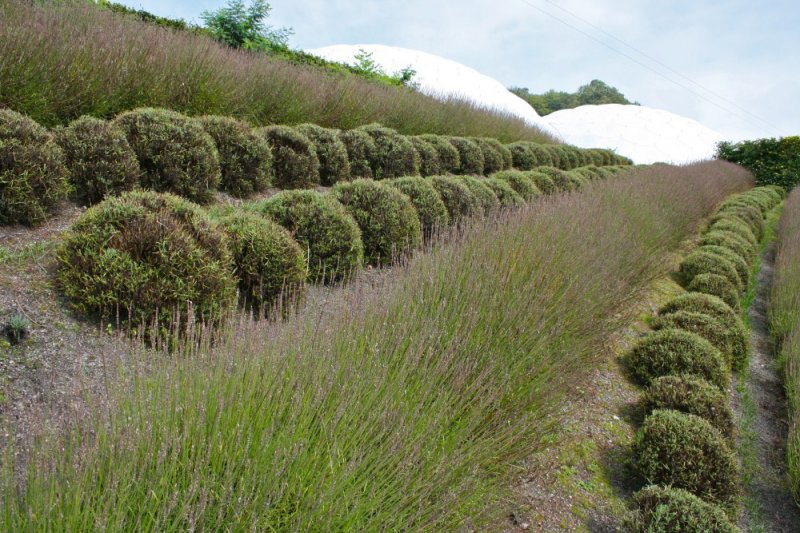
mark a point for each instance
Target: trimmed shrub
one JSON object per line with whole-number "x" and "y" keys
{"x": 449, "y": 160}
{"x": 505, "y": 153}
{"x": 520, "y": 182}
{"x": 295, "y": 163}
{"x": 33, "y": 176}
{"x": 492, "y": 158}
{"x": 541, "y": 154}
{"x": 334, "y": 165}
{"x": 469, "y": 154}
{"x": 564, "y": 181}
{"x": 361, "y": 150}
{"x": 730, "y": 339}
{"x": 763, "y": 204}
{"x": 429, "y": 158}
{"x": 522, "y": 156}
{"x": 430, "y": 208}
{"x": 390, "y": 226}
{"x": 457, "y": 198}
{"x": 542, "y": 181}
{"x": 270, "y": 267}
{"x": 570, "y": 155}
{"x": 735, "y": 226}
{"x": 555, "y": 154}
{"x": 686, "y": 452}
{"x": 174, "y": 151}
{"x": 245, "y": 158}
{"x": 590, "y": 172}
{"x": 671, "y": 510}
{"x": 99, "y": 159}
{"x": 701, "y": 262}
{"x": 716, "y": 285}
{"x": 692, "y": 395}
{"x": 780, "y": 191}
{"x": 395, "y": 156}
{"x": 738, "y": 262}
{"x": 731, "y": 241}
{"x": 323, "y": 228}
{"x": 696, "y": 302}
{"x": 147, "y": 258}
{"x": 749, "y": 215}
{"x": 486, "y": 197}
{"x": 672, "y": 352}
{"x": 507, "y": 196}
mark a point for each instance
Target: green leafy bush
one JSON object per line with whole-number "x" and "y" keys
{"x": 390, "y": 226}
{"x": 672, "y": 352}
{"x": 245, "y": 158}
{"x": 763, "y": 204}
{"x": 704, "y": 262}
{"x": 147, "y": 258}
{"x": 779, "y": 190}
{"x": 751, "y": 216}
{"x": 457, "y": 198}
{"x": 569, "y": 157}
{"x": 734, "y": 226}
{"x": 772, "y": 161}
{"x": 590, "y": 172}
{"x": 469, "y": 154}
{"x": 429, "y": 164}
{"x": 323, "y": 228}
{"x": 505, "y": 153}
{"x": 542, "y": 181}
{"x": 395, "y": 156}
{"x": 686, "y": 452}
{"x": 520, "y": 182}
{"x": 731, "y": 339}
{"x": 696, "y": 302}
{"x": 731, "y": 241}
{"x": 716, "y": 285}
{"x": 449, "y": 160}
{"x": 486, "y": 197}
{"x": 738, "y": 262}
{"x": 522, "y": 156}
{"x": 334, "y": 165}
{"x": 564, "y": 181}
{"x": 99, "y": 159}
{"x": 671, "y": 510}
{"x": 492, "y": 157}
{"x": 295, "y": 163}
{"x": 361, "y": 151}
{"x": 175, "y": 153}
{"x": 692, "y": 395}
{"x": 429, "y": 205}
{"x": 269, "y": 265}
{"x": 507, "y": 196}
{"x": 541, "y": 154}
{"x": 33, "y": 176}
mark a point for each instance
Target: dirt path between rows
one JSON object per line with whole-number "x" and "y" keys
{"x": 768, "y": 484}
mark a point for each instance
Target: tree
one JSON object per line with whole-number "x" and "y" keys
{"x": 595, "y": 92}
{"x": 244, "y": 27}
{"x": 772, "y": 161}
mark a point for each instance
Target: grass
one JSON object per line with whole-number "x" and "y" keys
{"x": 61, "y": 60}
{"x": 401, "y": 403}
{"x": 784, "y": 323}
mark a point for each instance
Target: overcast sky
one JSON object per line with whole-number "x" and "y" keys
{"x": 744, "y": 55}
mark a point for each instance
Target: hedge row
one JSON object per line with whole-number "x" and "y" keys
{"x": 166, "y": 151}
{"x": 684, "y": 448}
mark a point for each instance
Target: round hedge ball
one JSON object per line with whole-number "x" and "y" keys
{"x": 429, "y": 205}
{"x": 449, "y": 160}
{"x": 730, "y": 339}
{"x": 395, "y": 156}
{"x": 562, "y": 180}
{"x": 429, "y": 158}
{"x": 731, "y": 241}
{"x": 686, "y": 452}
{"x": 738, "y": 262}
{"x": 485, "y": 195}
{"x": 692, "y": 395}
{"x": 245, "y": 158}
{"x": 748, "y": 200}
{"x": 175, "y": 153}
{"x": 458, "y": 199}
{"x": 334, "y": 165}
{"x": 507, "y": 196}
{"x": 735, "y": 226}
{"x": 269, "y": 265}
{"x": 33, "y": 175}
{"x": 492, "y": 157}
{"x": 716, "y": 285}
{"x": 696, "y": 302}
{"x": 671, "y": 352}
{"x": 469, "y": 154}
{"x": 751, "y": 216}
{"x": 702, "y": 262}
{"x": 361, "y": 151}
{"x": 522, "y": 156}
{"x": 520, "y": 182}
{"x": 390, "y": 226}
{"x": 323, "y": 228}
{"x": 542, "y": 155}
{"x": 100, "y": 161}
{"x": 578, "y": 180}
{"x": 147, "y": 258}
{"x": 672, "y": 510}
{"x": 295, "y": 164}
{"x": 542, "y": 181}
{"x": 505, "y": 153}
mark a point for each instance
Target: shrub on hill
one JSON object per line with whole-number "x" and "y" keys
{"x": 521, "y": 155}
{"x": 469, "y": 154}
{"x": 175, "y": 153}
{"x": 691, "y": 395}
{"x": 295, "y": 163}
{"x": 569, "y": 157}
{"x": 671, "y": 510}
{"x": 731, "y": 241}
{"x": 557, "y": 157}
{"x": 738, "y": 262}
{"x": 763, "y": 204}
{"x": 429, "y": 164}
{"x": 269, "y": 265}
{"x": 542, "y": 155}
{"x": 505, "y": 153}
{"x": 686, "y": 452}
{"x": 395, "y": 156}
{"x": 361, "y": 150}
{"x": 520, "y": 182}
{"x": 738, "y": 227}
{"x": 492, "y": 157}
{"x": 449, "y": 160}
{"x": 100, "y": 160}
{"x": 542, "y": 181}
{"x": 334, "y": 165}
{"x": 390, "y": 226}
{"x": 148, "y": 258}
{"x": 507, "y": 196}
{"x": 33, "y": 176}
{"x": 561, "y": 179}
{"x": 486, "y": 197}
{"x": 696, "y": 302}
{"x": 245, "y": 158}
{"x": 731, "y": 339}
{"x": 703, "y": 262}
{"x": 672, "y": 352}
{"x": 751, "y": 216}
{"x": 322, "y": 227}
{"x": 578, "y": 180}
{"x": 590, "y": 172}
{"x": 429, "y": 205}
{"x": 716, "y": 285}
{"x": 458, "y": 199}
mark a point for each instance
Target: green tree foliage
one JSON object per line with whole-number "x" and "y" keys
{"x": 241, "y": 26}
{"x": 772, "y": 161}
{"x": 595, "y": 92}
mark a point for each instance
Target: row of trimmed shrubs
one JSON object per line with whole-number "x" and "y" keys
{"x": 784, "y": 324}
{"x": 684, "y": 449}
{"x": 141, "y": 256}
{"x": 166, "y": 151}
